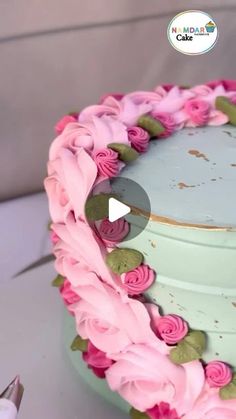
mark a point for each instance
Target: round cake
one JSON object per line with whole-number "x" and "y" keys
{"x": 152, "y": 310}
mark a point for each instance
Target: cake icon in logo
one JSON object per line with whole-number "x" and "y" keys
{"x": 210, "y": 27}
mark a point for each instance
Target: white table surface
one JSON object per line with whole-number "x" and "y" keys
{"x": 31, "y": 322}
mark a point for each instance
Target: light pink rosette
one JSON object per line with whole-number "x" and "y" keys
{"x": 68, "y": 295}
{"x": 92, "y": 135}
{"x": 63, "y": 122}
{"x": 126, "y": 110}
{"x": 79, "y": 245}
{"x": 168, "y": 121}
{"x": 74, "y": 136}
{"x": 211, "y": 406}
{"x": 162, "y": 411}
{"x": 107, "y": 162}
{"x": 144, "y": 377}
{"x": 109, "y": 321}
{"x": 143, "y": 97}
{"x": 139, "y": 138}
{"x": 218, "y": 374}
{"x": 198, "y": 111}
{"x": 97, "y": 360}
{"x": 138, "y": 280}
{"x": 113, "y": 232}
{"x": 66, "y": 177}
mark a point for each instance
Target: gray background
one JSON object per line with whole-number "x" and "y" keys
{"x": 60, "y": 56}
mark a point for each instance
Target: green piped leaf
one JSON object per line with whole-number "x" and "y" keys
{"x": 49, "y": 225}
{"x": 229, "y": 392}
{"x": 135, "y": 414}
{"x": 126, "y": 153}
{"x": 123, "y": 260}
{"x": 79, "y": 344}
{"x": 190, "y": 348}
{"x": 58, "y": 281}
{"x": 224, "y": 105}
{"x": 96, "y": 207}
{"x": 151, "y": 125}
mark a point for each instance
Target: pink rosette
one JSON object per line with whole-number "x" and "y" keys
{"x": 144, "y": 97}
{"x": 110, "y": 321}
{"x": 139, "y": 138}
{"x": 66, "y": 175}
{"x": 168, "y": 122}
{"x": 218, "y": 374}
{"x": 171, "y": 328}
{"x": 124, "y": 110}
{"x": 96, "y": 360}
{"x": 113, "y": 232}
{"x": 138, "y": 280}
{"x": 210, "y": 406}
{"x": 68, "y": 295}
{"x": 92, "y": 135}
{"x": 162, "y": 411}
{"x": 74, "y": 136}
{"x": 145, "y": 377}
{"x": 198, "y": 112}
{"x": 107, "y": 162}
{"x": 63, "y": 122}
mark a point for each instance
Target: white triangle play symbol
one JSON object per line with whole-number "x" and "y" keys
{"x": 117, "y": 209}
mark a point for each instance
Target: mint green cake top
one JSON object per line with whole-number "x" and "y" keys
{"x": 191, "y": 176}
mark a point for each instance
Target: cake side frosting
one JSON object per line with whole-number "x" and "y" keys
{"x": 152, "y": 360}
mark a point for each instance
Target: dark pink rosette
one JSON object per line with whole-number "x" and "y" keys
{"x": 168, "y": 122}
{"x": 168, "y": 87}
{"x": 218, "y": 374}
{"x": 229, "y": 85}
{"x": 198, "y": 111}
{"x": 68, "y": 295}
{"x": 162, "y": 411}
{"x": 113, "y": 232}
{"x": 171, "y": 328}
{"x": 138, "y": 280}
{"x": 107, "y": 162}
{"x": 139, "y": 138}
{"x": 65, "y": 120}
{"x": 97, "y": 360}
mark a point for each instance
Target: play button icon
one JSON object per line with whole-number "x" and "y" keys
{"x": 117, "y": 203}
{"x": 117, "y": 210}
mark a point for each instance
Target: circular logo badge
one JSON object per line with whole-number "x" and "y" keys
{"x": 193, "y": 32}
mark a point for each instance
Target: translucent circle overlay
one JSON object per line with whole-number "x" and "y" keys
{"x": 127, "y": 192}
